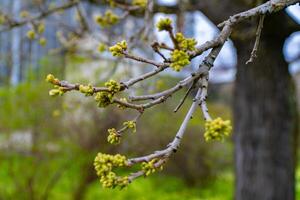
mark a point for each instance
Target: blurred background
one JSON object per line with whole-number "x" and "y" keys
{"x": 47, "y": 145}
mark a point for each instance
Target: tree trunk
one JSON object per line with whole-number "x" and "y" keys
{"x": 265, "y": 118}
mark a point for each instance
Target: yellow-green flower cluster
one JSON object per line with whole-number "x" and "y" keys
{"x": 131, "y": 125}
{"x": 179, "y": 59}
{"x": 101, "y": 47}
{"x": 149, "y": 167}
{"x": 140, "y": 3}
{"x": 24, "y": 14}
{"x": 103, "y": 98}
{"x": 113, "y": 86}
{"x": 31, "y": 34}
{"x": 37, "y": 32}
{"x": 114, "y": 137}
{"x": 104, "y": 164}
{"x": 2, "y": 19}
{"x": 41, "y": 28}
{"x": 185, "y": 44}
{"x": 57, "y": 91}
{"x": 50, "y": 78}
{"x": 217, "y": 129}
{"x": 164, "y": 24}
{"x": 43, "y": 41}
{"x": 118, "y": 48}
{"x": 108, "y": 19}
{"x": 88, "y": 90}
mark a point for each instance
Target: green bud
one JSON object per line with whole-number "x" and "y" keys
{"x": 217, "y": 129}
{"x": 179, "y": 59}
{"x": 164, "y": 24}
{"x": 119, "y": 48}
{"x": 104, "y": 99}
{"x": 30, "y": 34}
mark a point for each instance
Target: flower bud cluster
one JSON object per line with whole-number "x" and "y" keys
{"x": 179, "y": 59}
{"x": 114, "y": 137}
{"x": 113, "y": 86}
{"x": 87, "y": 90}
{"x": 104, "y": 164}
{"x": 101, "y": 47}
{"x": 36, "y": 32}
{"x": 103, "y": 98}
{"x": 50, "y": 78}
{"x": 140, "y": 3}
{"x": 119, "y": 48}
{"x": 164, "y": 24}
{"x": 108, "y": 19}
{"x": 185, "y": 44}
{"x": 150, "y": 168}
{"x": 131, "y": 125}
{"x": 217, "y": 129}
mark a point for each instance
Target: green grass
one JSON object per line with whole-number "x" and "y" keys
{"x": 158, "y": 186}
{"x": 166, "y": 188}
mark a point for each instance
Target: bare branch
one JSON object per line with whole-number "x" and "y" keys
{"x": 257, "y": 39}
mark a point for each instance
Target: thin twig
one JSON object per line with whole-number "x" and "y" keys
{"x": 257, "y": 39}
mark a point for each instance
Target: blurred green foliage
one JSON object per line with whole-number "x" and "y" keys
{"x": 68, "y": 131}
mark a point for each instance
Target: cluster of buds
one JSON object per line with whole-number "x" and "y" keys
{"x": 104, "y": 163}
{"x": 140, "y": 3}
{"x": 149, "y": 167}
{"x": 50, "y": 78}
{"x": 36, "y": 32}
{"x": 119, "y": 48}
{"x": 164, "y": 24}
{"x": 103, "y": 99}
{"x": 24, "y": 14}
{"x": 101, "y": 47}
{"x": 185, "y": 44}
{"x": 130, "y": 125}
{"x": 87, "y": 90}
{"x": 2, "y": 19}
{"x": 217, "y": 129}
{"x": 108, "y": 19}
{"x": 113, "y": 86}
{"x": 179, "y": 59}
{"x": 114, "y": 137}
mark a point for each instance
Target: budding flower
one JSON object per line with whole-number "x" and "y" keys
{"x": 101, "y": 47}
{"x": 104, "y": 99}
{"x": 140, "y": 3}
{"x": 185, "y": 44}
{"x": 41, "y": 28}
{"x": 56, "y": 92}
{"x": 217, "y": 129}
{"x": 87, "y": 90}
{"x": 150, "y": 168}
{"x": 164, "y": 24}
{"x": 113, "y": 86}
{"x": 104, "y": 164}
{"x": 30, "y": 34}
{"x": 131, "y": 125}
{"x": 108, "y": 19}
{"x": 114, "y": 137}
{"x": 24, "y": 14}
{"x": 179, "y": 59}
{"x": 119, "y": 48}
{"x": 2, "y": 19}
{"x": 50, "y": 78}
{"x": 43, "y": 41}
